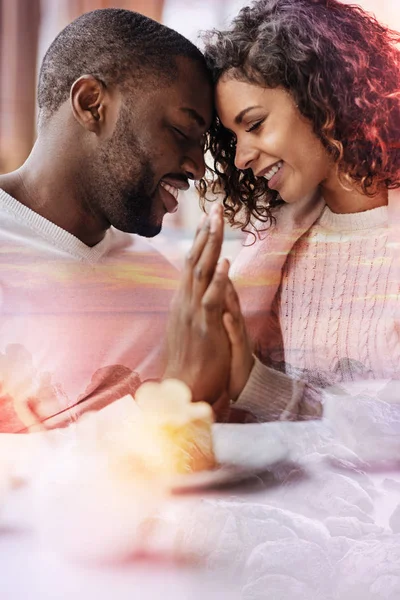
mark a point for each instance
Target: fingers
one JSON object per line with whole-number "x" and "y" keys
{"x": 213, "y": 301}
{"x": 232, "y": 300}
{"x": 195, "y": 252}
{"x": 202, "y": 237}
{"x": 200, "y": 224}
{"x": 233, "y": 329}
{"x": 207, "y": 262}
{"x": 233, "y": 318}
{"x": 242, "y": 357}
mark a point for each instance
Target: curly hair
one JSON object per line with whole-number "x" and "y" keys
{"x": 341, "y": 66}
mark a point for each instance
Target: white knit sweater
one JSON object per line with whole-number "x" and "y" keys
{"x": 335, "y": 310}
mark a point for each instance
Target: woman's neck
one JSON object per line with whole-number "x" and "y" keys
{"x": 342, "y": 199}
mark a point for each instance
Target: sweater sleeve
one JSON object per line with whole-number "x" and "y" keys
{"x": 270, "y": 395}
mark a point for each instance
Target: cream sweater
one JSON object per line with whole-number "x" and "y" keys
{"x": 79, "y": 327}
{"x": 332, "y": 318}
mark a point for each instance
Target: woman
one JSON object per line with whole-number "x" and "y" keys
{"x": 305, "y": 147}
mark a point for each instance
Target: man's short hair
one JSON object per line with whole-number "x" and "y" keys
{"x": 115, "y": 46}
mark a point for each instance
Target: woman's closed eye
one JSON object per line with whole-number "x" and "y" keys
{"x": 255, "y": 126}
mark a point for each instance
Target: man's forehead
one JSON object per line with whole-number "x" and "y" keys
{"x": 186, "y": 104}
{"x": 189, "y": 95}
{"x": 193, "y": 86}
{"x": 195, "y": 102}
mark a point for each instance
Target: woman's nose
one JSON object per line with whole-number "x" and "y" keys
{"x": 245, "y": 156}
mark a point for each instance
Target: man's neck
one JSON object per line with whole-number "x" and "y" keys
{"x": 53, "y": 194}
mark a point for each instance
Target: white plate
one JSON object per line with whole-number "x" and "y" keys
{"x": 241, "y": 452}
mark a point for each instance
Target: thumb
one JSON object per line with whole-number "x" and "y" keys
{"x": 233, "y": 329}
{"x": 232, "y": 318}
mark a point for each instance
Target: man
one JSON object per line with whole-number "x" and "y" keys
{"x": 124, "y": 104}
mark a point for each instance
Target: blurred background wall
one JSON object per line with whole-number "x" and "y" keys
{"x": 27, "y": 27}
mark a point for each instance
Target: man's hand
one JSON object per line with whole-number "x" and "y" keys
{"x": 197, "y": 343}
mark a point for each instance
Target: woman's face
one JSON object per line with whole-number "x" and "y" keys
{"x": 273, "y": 139}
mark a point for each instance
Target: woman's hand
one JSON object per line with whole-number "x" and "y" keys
{"x": 197, "y": 343}
{"x": 242, "y": 356}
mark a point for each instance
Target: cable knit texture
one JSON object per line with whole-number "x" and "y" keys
{"x": 335, "y": 307}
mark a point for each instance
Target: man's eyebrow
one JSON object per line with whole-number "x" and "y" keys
{"x": 239, "y": 117}
{"x": 194, "y": 115}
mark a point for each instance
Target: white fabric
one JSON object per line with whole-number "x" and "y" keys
{"x": 322, "y": 306}
{"x": 314, "y": 528}
{"x": 336, "y": 301}
{"x": 76, "y": 322}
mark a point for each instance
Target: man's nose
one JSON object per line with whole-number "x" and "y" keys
{"x": 194, "y": 165}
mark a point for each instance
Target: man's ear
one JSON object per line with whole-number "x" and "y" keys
{"x": 89, "y": 102}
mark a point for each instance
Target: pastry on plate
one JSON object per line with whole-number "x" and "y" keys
{"x": 173, "y": 433}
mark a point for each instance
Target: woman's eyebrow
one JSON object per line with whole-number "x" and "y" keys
{"x": 239, "y": 117}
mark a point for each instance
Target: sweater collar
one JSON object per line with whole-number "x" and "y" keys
{"x": 368, "y": 219}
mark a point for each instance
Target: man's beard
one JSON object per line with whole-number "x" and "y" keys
{"x": 125, "y": 184}
{"x": 133, "y": 206}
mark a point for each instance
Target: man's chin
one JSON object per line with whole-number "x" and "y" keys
{"x": 150, "y": 232}
{"x": 147, "y": 230}
{"x": 142, "y": 227}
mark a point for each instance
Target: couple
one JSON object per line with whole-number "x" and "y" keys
{"x": 305, "y": 154}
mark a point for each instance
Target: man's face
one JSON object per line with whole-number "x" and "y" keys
{"x": 156, "y": 147}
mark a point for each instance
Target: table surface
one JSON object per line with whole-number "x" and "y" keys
{"x": 313, "y": 527}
